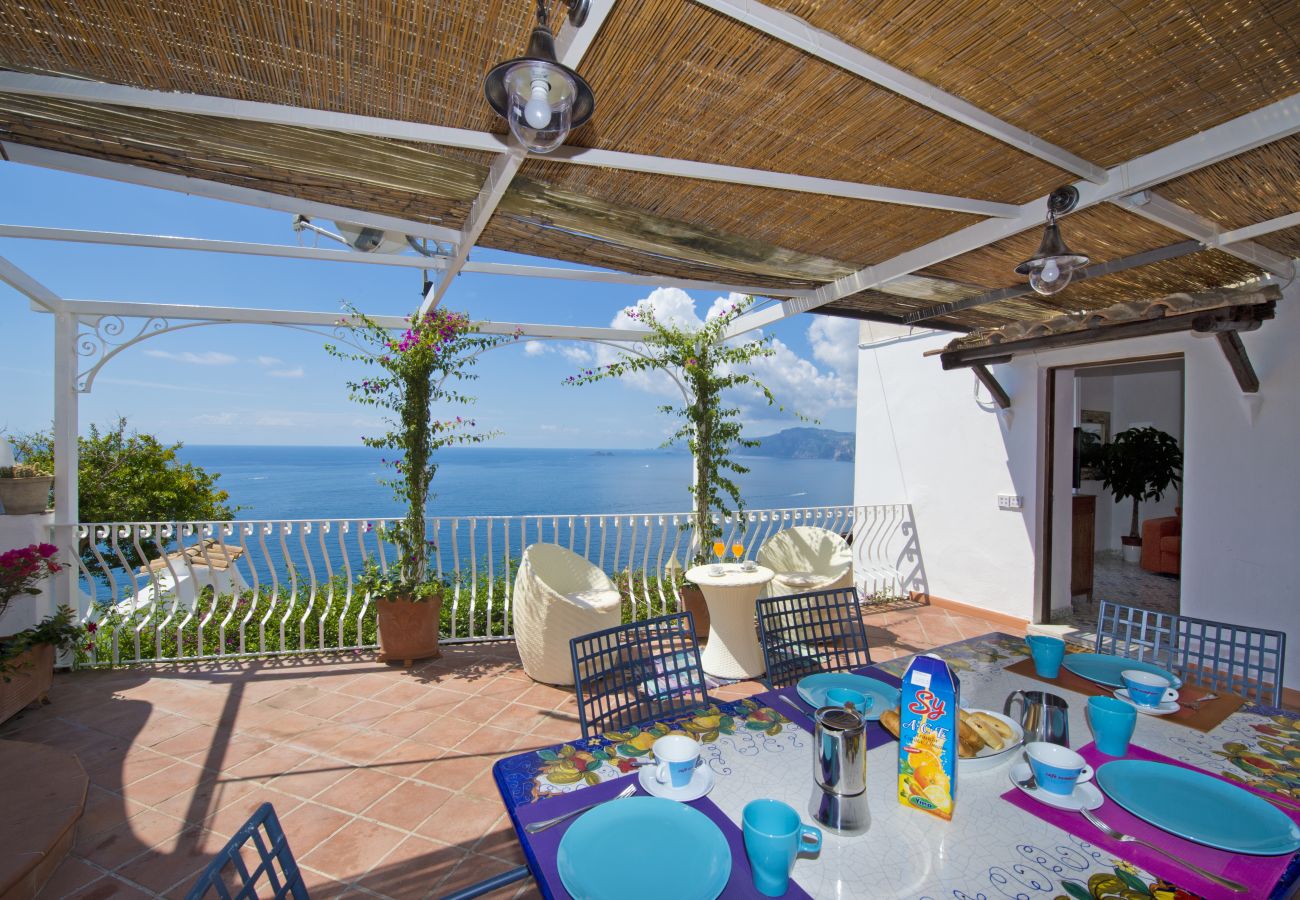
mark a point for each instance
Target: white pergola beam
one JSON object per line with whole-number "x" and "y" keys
{"x": 571, "y": 46}
{"x": 258, "y": 316}
{"x": 1265, "y": 125}
{"x": 798, "y": 33}
{"x": 1290, "y": 220}
{"x": 90, "y": 91}
{"x": 1150, "y": 205}
{"x": 216, "y": 190}
{"x": 171, "y": 242}
{"x": 29, "y": 287}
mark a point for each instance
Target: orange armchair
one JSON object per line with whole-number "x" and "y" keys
{"x": 1162, "y": 544}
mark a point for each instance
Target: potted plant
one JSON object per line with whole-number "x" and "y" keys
{"x": 703, "y": 365}
{"x": 418, "y": 369}
{"x": 1139, "y": 464}
{"x": 27, "y": 657}
{"x": 24, "y": 490}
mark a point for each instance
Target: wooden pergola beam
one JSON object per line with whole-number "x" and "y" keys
{"x": 989, "y": 381}
{"x": 1238, "y": 361}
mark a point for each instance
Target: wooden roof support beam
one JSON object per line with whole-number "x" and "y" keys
{"x": 571, "y": 46}
{"x": 29, "y": 287}
{"x": 1290, "y": 220}
{"x": 1263, "y": 126}
{"x": 244, "y": 110}
{"x": 822, "y": 44}
{"x": 1235, "y": 352}
{"x": 989, "y": 381}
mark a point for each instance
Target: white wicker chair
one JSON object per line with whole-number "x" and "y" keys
{"x": 806, "y": 559}
{"x": 558, "y": 596}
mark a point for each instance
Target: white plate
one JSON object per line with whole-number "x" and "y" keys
{"x": 702, "y": 781}
{"x": 1164, "y": 709}
{"x": 1086, "y": 794}
{"x": 988, "y": 758}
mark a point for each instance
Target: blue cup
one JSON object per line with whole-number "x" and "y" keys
{"x": 1057, "y": 769}
{"x": 1112, "y": 724}
{"x": 774, "y": 836}
{"x": 1047, "y": 653}
{"x": 675, "y": 759}
{"x": 845, "y": 696}
{"x": 1147, "y": 688}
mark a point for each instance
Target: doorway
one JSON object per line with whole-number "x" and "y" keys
{"x": 1088, "y": 552}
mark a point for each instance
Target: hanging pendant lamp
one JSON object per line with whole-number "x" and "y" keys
{"x": 1052, "y": 267}
{"x": 541, "y": 99}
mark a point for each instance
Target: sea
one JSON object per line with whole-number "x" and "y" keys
{"x": 344, "y": 482}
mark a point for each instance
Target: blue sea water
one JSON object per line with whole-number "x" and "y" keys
{"x": 343, "y": 482}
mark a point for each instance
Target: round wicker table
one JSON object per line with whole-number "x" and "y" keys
{"x": 732, "y": 650}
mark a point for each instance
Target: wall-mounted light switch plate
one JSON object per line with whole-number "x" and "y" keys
{"x": 1010, "y": 501}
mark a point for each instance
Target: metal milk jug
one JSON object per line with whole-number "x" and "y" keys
{"x": 1043, "y": 716}
{"x": 839, "y": 799}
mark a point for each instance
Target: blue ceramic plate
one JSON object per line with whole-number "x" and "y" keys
{"x": 1198, "y": 807}
{"x": 1104, "y": 669}
{"x": 627, "y": 848}
{"x": 813, "y": 691}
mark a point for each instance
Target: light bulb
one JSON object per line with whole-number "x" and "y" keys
{"x": 537, "y": 111}
{"x": 1051, "y": 271}
{"x": 1040, "y": 284}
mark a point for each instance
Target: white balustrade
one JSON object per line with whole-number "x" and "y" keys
{"x": 159, "y": 591}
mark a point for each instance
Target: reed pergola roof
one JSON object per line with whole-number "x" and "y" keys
{"x": 935, "y": 129}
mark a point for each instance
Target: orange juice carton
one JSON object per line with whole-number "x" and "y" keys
{"x": 928, "y": 737}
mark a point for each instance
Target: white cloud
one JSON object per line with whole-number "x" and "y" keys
{"x": 270, "y": 361}
{"x": 225, "y": 418}
{"x": 535, "y": 348}
{"x": 206, "y": 358}
{"x": 835, "y": 343}
{"x": 577, "y": 353}
{"x": 287, "y": 373}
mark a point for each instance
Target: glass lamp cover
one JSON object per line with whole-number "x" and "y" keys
{"x": 1043, "y": 286}
{"x": 560, "y": 90}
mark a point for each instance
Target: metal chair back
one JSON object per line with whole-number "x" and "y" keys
{"x": 274, "y": 874}
{"x": 1136, "y": 633}
{"x": 638, "y": 673}
{"x": 1246, "y": 661}
{"x": 803, "y": 634}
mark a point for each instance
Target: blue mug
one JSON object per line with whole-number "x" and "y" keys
{"x": 774, "y": 836}
{"x": 1057, "y": 769}
{"x": 1147, "y": 688}
{"x": 1047, "y": 653}
{"x": 1112, "y": 724}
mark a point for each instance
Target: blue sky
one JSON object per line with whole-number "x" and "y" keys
{"x": 249, "y": 384}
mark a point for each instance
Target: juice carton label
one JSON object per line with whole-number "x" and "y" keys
{"x": 927, "y": 737}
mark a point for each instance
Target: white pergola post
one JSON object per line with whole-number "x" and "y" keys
{"x": 66, "y": 462}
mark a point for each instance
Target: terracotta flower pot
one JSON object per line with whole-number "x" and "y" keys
{"x": 408, "y": 629}
{"x": 25, "y": 496}
{"x": 692, "y": 601}
{"x": 30, "y": 675}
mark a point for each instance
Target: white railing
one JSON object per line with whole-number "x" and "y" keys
{"x": 169, "y": 591}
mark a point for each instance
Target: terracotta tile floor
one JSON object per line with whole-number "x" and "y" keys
{"x": 380, "y": 776}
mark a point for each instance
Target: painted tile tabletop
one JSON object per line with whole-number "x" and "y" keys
{"x": 990, "y": 849}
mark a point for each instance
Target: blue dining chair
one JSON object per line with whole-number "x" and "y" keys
{"x": 638, "y": 673}
{"x": 803, "y": 634}
{"x": 1249, "y": 662}
{"x": 275, "y": 874}
{"x": 1136, "y": 633}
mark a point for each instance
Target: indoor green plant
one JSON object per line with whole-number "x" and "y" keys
{"x": 417, "y": 369}
{"x": 703, "y": 365}
{"x": 1139, "y": 464}
{"x": 24, "y": 489}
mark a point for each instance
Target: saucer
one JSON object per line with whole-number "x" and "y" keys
{"x": 1086, "y": 794}
{"x": 1164, "y": 709}
{"x": 702, "y": 781}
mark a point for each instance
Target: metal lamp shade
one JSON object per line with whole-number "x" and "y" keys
{"x": 568, "y": 89}
{"x": 1052, "y": 247}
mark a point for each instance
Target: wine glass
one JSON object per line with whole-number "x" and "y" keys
{"x": 738, "y": 550}
{"x": 719, "y": 549}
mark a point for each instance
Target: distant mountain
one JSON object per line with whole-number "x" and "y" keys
{"x": 806, "y": 443}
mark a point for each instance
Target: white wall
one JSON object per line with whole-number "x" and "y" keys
{"x": 933, "y": 439}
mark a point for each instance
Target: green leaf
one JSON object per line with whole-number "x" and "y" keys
{"x": 1076, "y": 890}
{"x": 1131, "y": 880}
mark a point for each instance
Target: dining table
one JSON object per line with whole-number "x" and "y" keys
{"x": 999, "y": 843}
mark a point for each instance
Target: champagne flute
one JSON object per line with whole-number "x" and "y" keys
{"x": 738, "y": 551}
{"x": 719, "y": 550}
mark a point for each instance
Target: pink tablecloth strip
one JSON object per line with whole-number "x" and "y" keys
{"x": 1259, "y": 873}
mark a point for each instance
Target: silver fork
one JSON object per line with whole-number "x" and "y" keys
{"x": 1129, "y": 839}
{"x": 534, "y": 827}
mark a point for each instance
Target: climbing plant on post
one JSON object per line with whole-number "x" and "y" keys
{"x": 704, "y": 366}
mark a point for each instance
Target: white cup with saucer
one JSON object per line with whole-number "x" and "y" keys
{"x": 676, "y": 773}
